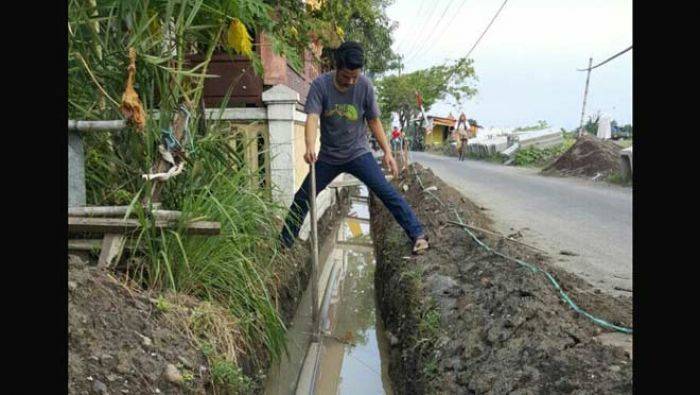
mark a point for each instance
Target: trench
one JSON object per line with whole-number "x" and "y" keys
{"x": 352, "y": 354}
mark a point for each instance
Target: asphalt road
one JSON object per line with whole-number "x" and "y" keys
{"x": 590, "y": 219}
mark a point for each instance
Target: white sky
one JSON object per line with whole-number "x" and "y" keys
{"x": 526, "y": 63}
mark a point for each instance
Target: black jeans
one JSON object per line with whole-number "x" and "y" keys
{"x": 366, "y": 169}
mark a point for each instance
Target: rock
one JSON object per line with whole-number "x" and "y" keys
{"x": 172, "y": 374}
{"x": 106, "y": 360}
{"x": 485, "y": 281}
{"x": 123, "y": 364}
{"x": 405, "y": 188}
{"x": 112, "y": 377}
{"x": 145, "y": 340}
{"x": 393, "y": 340}
{"x": 76, "y": 261}
{"x": 620, "y": 353}
{"x": 99, "y": 387}
{"x": 185, "y": 362}
{"x": 72, "y": 286}
{"x": 614, "y": 368}
{"x": 440, "y": 284}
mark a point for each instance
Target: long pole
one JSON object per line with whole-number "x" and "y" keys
{"x": 314, "y": 254}
{"x": 585, "y": 95}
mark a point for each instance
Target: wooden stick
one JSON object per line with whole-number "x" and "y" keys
{"x": 89, "y": 126}
{"x": 123, "y": 226}
{"x": 106, "y": 211}
{"x": 314, "y": 254}
{"x": 84, "y": 245}
{"x": 622, "y": 289}
{"x": 497, "y": 234}
{"x": 112, "y": 247}
{"x": 166, "y": 215}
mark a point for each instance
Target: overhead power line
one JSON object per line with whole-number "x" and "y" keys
{"x": 607, "y": 60}
{"x": 404, "y": 41}
{"x": 424, "y": 25}
{"x": 425, "y": 43}
{"x": 443, "y": 30}
{"x": 482, "y": 35}
{"x": 487, "y": 28}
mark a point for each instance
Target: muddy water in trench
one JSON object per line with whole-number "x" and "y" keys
{"x": 352, "y": 353}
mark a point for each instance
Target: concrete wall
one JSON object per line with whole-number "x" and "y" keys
{"x": 539, "y": 138}
{"x": 626, "y": 162}
{"x": 76, "y": 170}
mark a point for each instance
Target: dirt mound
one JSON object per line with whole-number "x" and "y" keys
{"x": 471, "y": 322}
{"x": 119, "y": 342}
{"x": 587, "y": 157}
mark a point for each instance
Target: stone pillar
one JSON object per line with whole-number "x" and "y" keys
{"x": 76, "y": 170}
{"x": 281, "y": 105}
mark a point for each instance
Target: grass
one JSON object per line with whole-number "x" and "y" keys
{"x": 540, "y": 157}
{"x": 623, "y": 143}
{"x": 230, "y": 377}
{"x": 618, "y": 179}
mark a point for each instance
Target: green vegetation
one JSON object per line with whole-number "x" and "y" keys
{"x": 539, "y": 126}
{"x": 230, "y": 377}
{"x": 619, "y": 179}
{"x": 397, "y": 93}
{"x": 539, "y": 157}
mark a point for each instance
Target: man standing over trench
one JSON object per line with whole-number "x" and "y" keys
{"x": 342, "y": 100}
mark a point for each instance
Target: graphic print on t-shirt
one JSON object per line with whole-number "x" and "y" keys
{"x": 347, "y": 111}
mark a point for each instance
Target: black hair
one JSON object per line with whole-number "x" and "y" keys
{"x": 349, "y": 55}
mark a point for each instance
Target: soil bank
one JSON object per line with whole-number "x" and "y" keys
{"x": 466, "y": 321}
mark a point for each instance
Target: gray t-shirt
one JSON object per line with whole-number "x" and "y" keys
{"x": 342, "y": 116}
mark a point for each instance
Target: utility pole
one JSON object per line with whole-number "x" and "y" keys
{"x": 585, "y": 95}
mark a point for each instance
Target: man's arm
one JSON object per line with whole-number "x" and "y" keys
{"x": 310, "y": 137}
{"x": 375, "y": 125}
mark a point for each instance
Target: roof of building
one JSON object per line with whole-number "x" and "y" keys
{"x": 443, "y": 121}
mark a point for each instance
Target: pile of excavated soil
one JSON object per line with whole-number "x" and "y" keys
{"x": 587, "y": 157}
{"x": 120, "y": 343}
{"x": 500, "y": 327}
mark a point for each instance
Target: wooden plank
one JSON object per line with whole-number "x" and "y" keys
{"x": 84, "y": 245}
{"x": 88, "y": 126}
{"x": 118, "y": 211}
{"x": 112, "y": 247}
{"x": 307, "y": 376}
{"x": 124, "y": 226}
{"x": 101, "y": 211}
{"x": 343, "y": 184}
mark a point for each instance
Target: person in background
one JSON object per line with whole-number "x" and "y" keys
{"x": 462, "y": 121}
{"x": 463, "y": 133}
{"x": 395, "y": 139}
{"x": 404, "y": 151}
{"x": 454, "y": 138}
